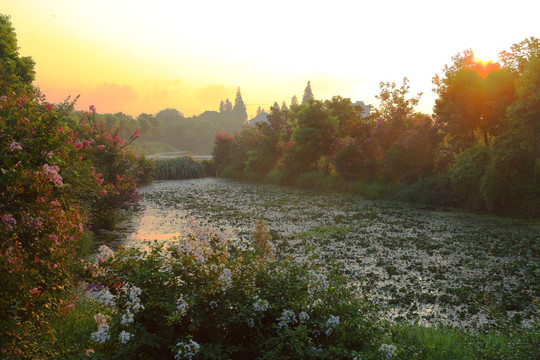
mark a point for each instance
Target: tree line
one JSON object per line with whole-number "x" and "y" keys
{"x": 480, "y": 148}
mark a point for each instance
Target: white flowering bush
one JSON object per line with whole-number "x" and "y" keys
{"x": 199, "y": 298}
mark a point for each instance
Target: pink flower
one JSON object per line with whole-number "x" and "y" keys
{"x": 86, "y": 143}
{"x": 92, "y": 108}
{"x": 15, "y": 146}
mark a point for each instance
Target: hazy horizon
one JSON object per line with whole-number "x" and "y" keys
{"x": 132, "y": 57}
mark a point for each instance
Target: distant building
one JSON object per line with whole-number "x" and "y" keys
{"x": 261, "y": 117}
{"x": 366, "y": 108}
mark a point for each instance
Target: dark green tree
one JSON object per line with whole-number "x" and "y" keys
{"x": 15, "y": 71}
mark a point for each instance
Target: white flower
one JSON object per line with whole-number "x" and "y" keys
{"x": 287, "y": 317}
{"x": 134, "y": 302}
{"x": 331, "y": 323}
{"x": 225, "y": 279}
{"x": 102, "y": 296}
{"x": 186, "y": 351}
{"x": 387, "y": 350}
{"x": 260, "y": 305}
{"x": 181, "y": 305}
{"x": 105, "y": 253}
{"x": 127, "y": 318}
{"x": 102, "y": 333}
{"x": 125, "y": 336}
{"x": 303, "y": 316}
{"x": 250, "y": 322}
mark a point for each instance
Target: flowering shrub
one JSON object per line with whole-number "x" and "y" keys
{"x": 52, "y": 178}
{"x": 198, "y": 297}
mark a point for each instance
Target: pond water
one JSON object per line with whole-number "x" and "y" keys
{"x": 421, "y": 265}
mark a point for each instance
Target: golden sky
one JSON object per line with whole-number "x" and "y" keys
{"x": 143, "y": 56}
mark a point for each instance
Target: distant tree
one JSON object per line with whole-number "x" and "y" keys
{"x": 275, "y": 106}
{"x": 294, "y": 100}
{"x": 15, "y": 71}
{"x": 284, "y": 106}
{"x": 259, "y": 111}
{"x": 228, "y": 106}
{"x": 169, "y": 116}
{"x": 222, "y": 108}
{"x": 239, "y": 109}
{"x": 308, "y": 94}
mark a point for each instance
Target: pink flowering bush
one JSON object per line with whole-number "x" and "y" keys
{"x": 199, "y": 297}
{"x": 52, "y": 179}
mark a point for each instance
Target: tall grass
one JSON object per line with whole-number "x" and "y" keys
{"x": 178, "y": 168}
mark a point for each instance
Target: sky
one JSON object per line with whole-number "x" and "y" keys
{"x": 144, "y": 56}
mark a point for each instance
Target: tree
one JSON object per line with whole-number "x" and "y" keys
{"x": 259, "y": 111}
{"x": 308, "y": 94}
{"x": 239, "y": 109}
{"x": 520, "y": 54}
{"x": 15, "y": 71}
{"x": 472, "y": 102}
{"x": 524, "y": 113}
{"x": 294, "y": 100}
{"x": 225, "y": 106}
{"x": 314, "y": 137}
{"x": 284, "y": 106}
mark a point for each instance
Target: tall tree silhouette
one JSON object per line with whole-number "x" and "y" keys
{"x": 239, "y": 109}
{"x": 308, "y": 94}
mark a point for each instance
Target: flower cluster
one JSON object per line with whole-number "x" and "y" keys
{"x": 52, "y": 173}
{"x": 387, "y": 351}
{"x": 331, "y": 324}
{"x": 105, "y": 253}
{"x": 186, "y": 350}
{"x": 102, "y": 333}
{"x": 287, "y": 317}
{"x": 260, "y": 304}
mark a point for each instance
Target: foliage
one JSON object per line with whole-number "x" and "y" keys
{"x": 226, "y": 304}
{"x": 510, "y": 183}
{"x": 179, "y": 168}
{"x": 16, "y": 72}
{"x": 466, "y": 173}
{"x": 53, "y": 179}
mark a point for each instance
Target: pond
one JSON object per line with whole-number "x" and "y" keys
{"x": 419, "y": 264}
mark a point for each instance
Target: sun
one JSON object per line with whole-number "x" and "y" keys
{"x": 485, "y": 56}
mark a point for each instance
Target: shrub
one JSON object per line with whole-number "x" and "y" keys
{"x": 275, "y": 176}
{"x": 466, "y": 173}
{"x": 177, "y": 169}
{"x": 314, "y": 180}
{"x": 200, "y": 296}
{"x": 509, "y": 184}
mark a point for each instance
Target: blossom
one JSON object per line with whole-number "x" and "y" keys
{"x": 225, "y": 279}
{"x": 287, "y": 317}
{"x": 260, "y": 305}
{"x": 15, "y": 146}
{"x": 181, "y": 305}
{"x": 127, "y": 318}
{"x": 52, "y": 174}
{"x": 331, "y": 323}
{"x": 102, "y": 333}
{"x": 125, "y": 336}
{"x": 9, "y": 221}
{"x": 101, "y": 295}
{"x": 303, "y": 316}
{"x": 387, "y": 350}
{"x": 186, "y": 350}
{"x": 105, "y": 253}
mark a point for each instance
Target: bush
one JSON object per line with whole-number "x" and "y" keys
{"x": 466, "y": 173}
{"x": 510, "y": 183}
{"x": 276, "y": 177}
{"x": 434, "y": 190}
{"x": 313, "y": 180}
{"x": 200, "y": 296}
{"x": 176, "y": 169}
